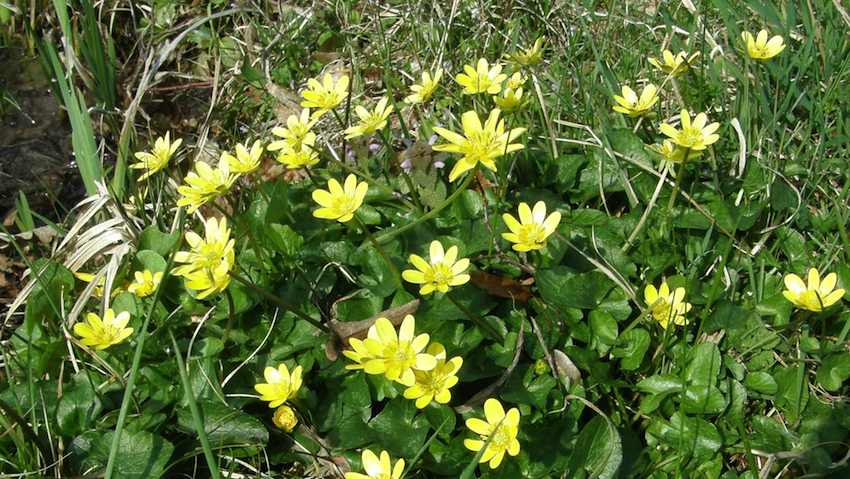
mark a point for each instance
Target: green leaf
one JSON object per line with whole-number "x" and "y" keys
{"x": 150, "y": 260}
{"x": 604, "y": 331}
{"x": 78, "y": 407}
{"x": 704, "y": 365}
{"x": 142, "y": 455}
{"x": 598, "y": 451}
{"x": 155, "y": 240}
{"x": 286, "y": 240}
{"x": 399, "y": 430}
{"x": 226, "y": 426}
{"x": 687, "y": 435}
{"x": 631, "y": 347}
{"x": 793, "y": 391}
{"x": 761, "y": 382}
{"x": 834, "y": 370}
{"x": 661, "y": 384}
{"x": 564, "y": 288}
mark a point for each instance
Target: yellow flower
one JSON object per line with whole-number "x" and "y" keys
{"x": 760, "y": 48}
{"x": 500, "y": 429}
{"x": 245, "y": 161}
{"x": 297, "y": 129}
{"x": 633, "y": 106}
{"x": 280, "y": 385}
{"x": 88, "y": 278}
{"x": 284, "y": 418}
{"x": 672, "y": 153}
{"x": 340, "y": 202}
{"x": 158, "y": 158}
{"x": 435, "y": 384}
{"x": 517, "y": 80}
{"x": 325, "y": 96}
{"x": 530, "y": 56}
{"x": 694, "y": 135}
{"x": 483, "y": 79}
{"x": 206, "y": 267}
{"x": 103, "y": 333}
{"x": 479, "y": 143}
{"x": 300, "y": 155}
{"x": 533, "y": 227}
{"x": 378, "y": 468}
{"x": 396, "y": 356}
{"x": 510, "y": 100}
{"x": 423, "y": 91}
{"x": 674, "y": 65}
{"x": 666, "y": 305}
{"x": 440, "y": 272}
{"x": 370, "y": 121}
{"x": 817, "y": 295}
{"x": 205, "y": 184}
{"x": 144, "y": 283}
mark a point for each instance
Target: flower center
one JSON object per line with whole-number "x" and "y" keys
{"x": 531, "y": 233}
{"x": 501, "y": 438}
{"x": 439, "y": 274}
{"x": 343, "y": 204}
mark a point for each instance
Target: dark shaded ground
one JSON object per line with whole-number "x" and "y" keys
{"x": 35, "y": 139}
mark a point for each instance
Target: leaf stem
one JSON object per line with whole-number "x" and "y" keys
{"x": 278, "y": 300}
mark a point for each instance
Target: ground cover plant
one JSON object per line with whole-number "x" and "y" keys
{"x": 470, "y": 239}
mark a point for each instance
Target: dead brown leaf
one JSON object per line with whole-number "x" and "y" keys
{"x": 501, "y": 286}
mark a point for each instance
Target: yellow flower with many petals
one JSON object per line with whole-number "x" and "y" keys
{"x": 144, "y": 283}
{"x": 479, "y": 143}
{"x": 533, "y": 227}
{"x": 696, "y": 135}
{"x": 340, "y": 202}
{"x": 395, "y": 355}
{"x": 817, "y": 295}
{"x": 88, "y": 278}
{"x": 280, "y": 385}
{"x": 206, "y": 267}
{"x": 304, "y": 154}
{"x": 378, "y": 468}
{"x": 510, "y": 100}
{"x": 672, "y": 153}
{"x": 529, "y": 56}
{"x": 666, "y": 305}
{"x": 103, "y": 333}
{"x": 482, "y": 79}
{"x": 515, "y": 81}
{"x": 325, "y": 96}
{"x": 284, "y": 417}
{"x": 760, "y": 48}
{"x": 674, "y": 65}
{"x": 158, "y": 158}
{"x": 245, "y": 160}
{"x": 424, "y": 90}
{"x": 499, "y": 429}
{"x": 435, "y": 384}
{"x": 370, "y": 121}
{"x": 297, "y": 129}
{"x": 441, "y": 271}
{"x": 205, "y": 184}
{"x": 634, "y": 106}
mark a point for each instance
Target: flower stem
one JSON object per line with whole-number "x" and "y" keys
{"x": 197, "y": 416}
{"x": 388, "y": 235}
{"x": 478, "y": 320}
{"x": 378, "y": 247}
{"x": 680, "y": 176}
{"x": 277, "y": 300}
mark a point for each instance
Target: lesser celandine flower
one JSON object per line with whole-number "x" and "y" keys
{"x": 672, "y": 153}
{"x": 245, "y": 160}
{"x": 442, "y": 270}
{"x": 88, "y": 278}
{"x": 634, "y": 106}
{"x": 434, "y": 385}
{"x": 510, "y": 100}
{"x": 817, "y": 295}
{"x": 424, "y": 90}
{"x": 479, "y": 143}
{"x": 760, "y": 48}
{"x": 296, "y": 130}
{"x": 696, "y": 135}
{"x": 481, "y": 79}
{"x": 205, "y": 184}
{"x": 340, "y": 202}
{"x": 300, "y": 155}
{"x": 667, "y": 306}
{"x": 500, "y": 429}
{"x": 370, "y": 121}
{"x": 325, "y": 96}
{"x": 280, "y": 385}
{"x": 206, "y": 267}
{"x": 395, "y": 355}
{"x": 674, "y": 65}
{"x": 378, "y": 468}
{"x": 517, "y": 80}
{"x": 529, "y": 56}
{"x": 284, "y": 417}
{"x": 103, "y": 333}
{"x": 533, "y": 227}
{"x": 144, "y": 283}
{"x": 158, "y": 157}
